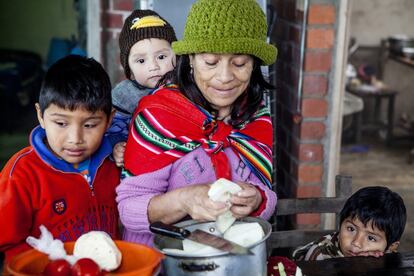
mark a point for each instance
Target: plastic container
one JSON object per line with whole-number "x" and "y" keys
{"x": 137, "y": 259}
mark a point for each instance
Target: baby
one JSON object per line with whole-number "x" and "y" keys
{"x": 146, "y": 56}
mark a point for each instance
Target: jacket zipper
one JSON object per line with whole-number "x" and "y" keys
{"x": 90, "y": 185}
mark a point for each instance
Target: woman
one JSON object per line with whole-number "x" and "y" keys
{"x": 211, "y": 124}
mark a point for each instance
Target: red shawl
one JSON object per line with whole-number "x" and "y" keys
{"x": 166, "y": 126}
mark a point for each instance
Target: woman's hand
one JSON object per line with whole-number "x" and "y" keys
{"x": 245, "y": 201}
{"x": 199, "y": 206}
{"x": 118, "y": 153}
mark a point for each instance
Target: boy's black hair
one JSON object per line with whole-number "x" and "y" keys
{"x": 245, "y": 105}
{"x": 75, "y": 81}
{"x": 380, "y": 205}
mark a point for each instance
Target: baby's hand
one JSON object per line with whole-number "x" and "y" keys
{"x": 118, "y": 153}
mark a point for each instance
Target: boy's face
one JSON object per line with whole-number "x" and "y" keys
{"x": 73, "y": 135}
{"x": 149, "y": 60}
{"x": 356, "y": 239}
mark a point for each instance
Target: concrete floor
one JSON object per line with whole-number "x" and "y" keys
{"x": 384, "y": 166}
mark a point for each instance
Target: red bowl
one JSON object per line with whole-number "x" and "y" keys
{"x": 137, "y": 259}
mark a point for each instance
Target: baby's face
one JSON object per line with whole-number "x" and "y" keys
{"x": 149, "y": 60}
{"x": 357, "y": 239}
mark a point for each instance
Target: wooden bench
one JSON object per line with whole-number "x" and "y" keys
{"x": 290, "y": 239}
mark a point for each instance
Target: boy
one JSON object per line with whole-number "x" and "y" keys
{"x": 146, "y": 56}
{"x": 371, "y": 224}
{"x": 64, "y": 179}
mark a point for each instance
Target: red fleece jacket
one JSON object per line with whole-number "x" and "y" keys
{"x": 34, "y": 193}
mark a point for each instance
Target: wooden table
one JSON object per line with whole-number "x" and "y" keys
{"x": 392, "y": 264}
{"x": 404, "y": 60}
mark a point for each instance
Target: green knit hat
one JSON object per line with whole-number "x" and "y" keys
{"x": 226, "y": 26}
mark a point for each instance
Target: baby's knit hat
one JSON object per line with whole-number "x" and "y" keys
{"x": 226, "y": 26}
{"x": 142, "y": 24}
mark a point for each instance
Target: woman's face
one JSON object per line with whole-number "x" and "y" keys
{"x": 222, "y": 78}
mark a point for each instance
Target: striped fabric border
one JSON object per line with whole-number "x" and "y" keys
{"x": 152, "y": 136}
{"x": 256, "y": 156}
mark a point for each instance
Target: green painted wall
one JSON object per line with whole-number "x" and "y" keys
{"x": 30, "y": 24}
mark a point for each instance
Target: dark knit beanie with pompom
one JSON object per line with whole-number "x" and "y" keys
{"x": 142, "y": 24}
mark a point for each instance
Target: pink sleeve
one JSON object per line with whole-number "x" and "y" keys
{"x": 269, "y": 202}
{"x": 134, "y": 194}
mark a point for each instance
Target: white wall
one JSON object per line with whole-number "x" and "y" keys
{"x": 372, "y": 20}
{"x": 176, "y": 11}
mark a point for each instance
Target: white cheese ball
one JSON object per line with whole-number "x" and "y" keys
{"x": 98, "y": 246}
{"x": 245, "y": 234}
{"x": 221, "y": 190}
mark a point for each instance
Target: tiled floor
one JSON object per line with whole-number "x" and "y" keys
{"x": 388, "y": 167}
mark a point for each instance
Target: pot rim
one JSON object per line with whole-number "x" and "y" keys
{"x": 400, "y": 37}
{"x": 408, "y": 50}
{"x": 264, "y": 223}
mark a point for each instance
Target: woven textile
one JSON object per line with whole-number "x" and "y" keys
{"x": 167, "y": 126}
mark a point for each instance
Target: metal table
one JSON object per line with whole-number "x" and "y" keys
{"x": 378, "y": 95}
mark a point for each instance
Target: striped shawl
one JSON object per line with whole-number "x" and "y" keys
{"x": 166, "y": 126}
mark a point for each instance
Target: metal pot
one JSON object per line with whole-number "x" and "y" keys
{"x": 408, "y": 52}
{"x": 218, "y": 264}
{"x": 398, "y": 42}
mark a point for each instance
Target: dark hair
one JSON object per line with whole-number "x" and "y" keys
{"x": 243, "y": 108}
{"x": 75, "y": 81}
{"x": 380, "y": 205}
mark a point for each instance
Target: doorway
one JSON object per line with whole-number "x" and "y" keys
{"x": 369, "y": 159}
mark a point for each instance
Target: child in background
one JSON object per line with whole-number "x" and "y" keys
{"x": 146, "y": 56}
{"x": 64, "y": 179}
{"x": 371, "y": 224}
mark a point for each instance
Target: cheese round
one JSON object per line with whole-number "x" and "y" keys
{"x": 98, "y": 246}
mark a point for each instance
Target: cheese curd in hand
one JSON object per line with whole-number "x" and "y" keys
{"x": 221, "y": 190}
